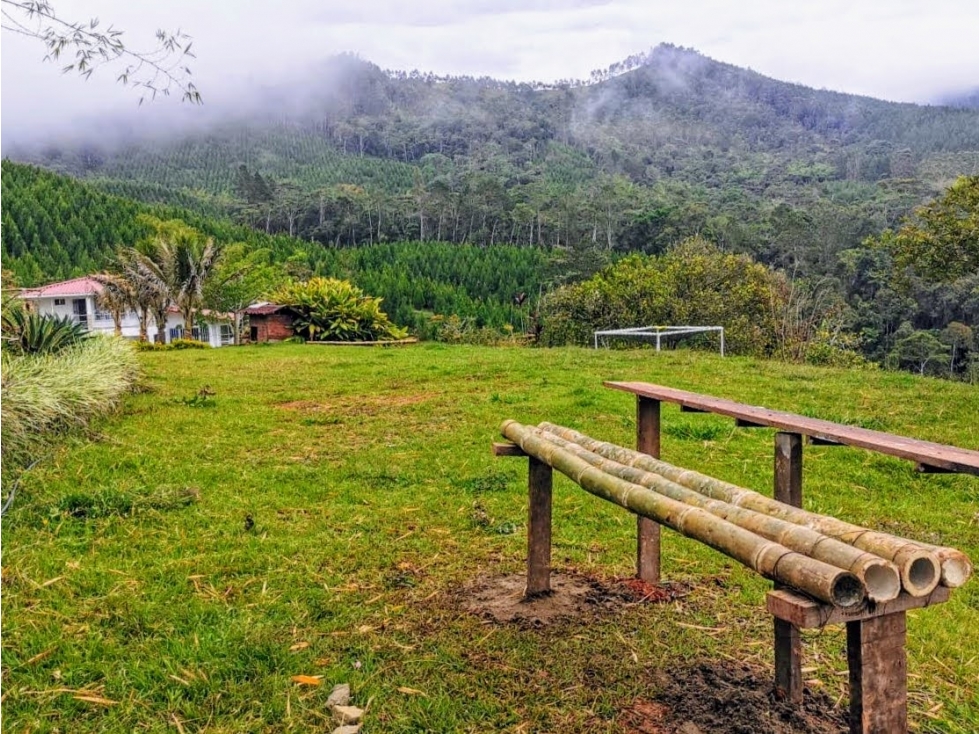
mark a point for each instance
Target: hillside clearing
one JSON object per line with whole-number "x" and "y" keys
{"x": 326, "y": 512}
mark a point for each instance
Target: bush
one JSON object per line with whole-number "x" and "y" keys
{"x": 455, "y": 330}
{"x": 174, "y": 344}
{"x": 189, "y": 344}
{"x": 693, "y": 284}
{"x": 45, "y": 395}
{"x": 151, "y": 347}
{"x": 336, "y": 310}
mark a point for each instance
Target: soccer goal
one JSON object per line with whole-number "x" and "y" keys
{"x": 656, "y": 334}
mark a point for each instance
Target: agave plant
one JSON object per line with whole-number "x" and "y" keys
{"x": 26, "y": 332}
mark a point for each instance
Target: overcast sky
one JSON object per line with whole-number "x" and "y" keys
{"x": 905, "y": 50}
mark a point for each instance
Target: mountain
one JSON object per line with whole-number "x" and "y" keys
{"x": 964, "y": 100}
{"x": 639, "y": 118}
{"x": 658, "y": 147}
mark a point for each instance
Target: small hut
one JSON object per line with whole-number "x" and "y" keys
{"x": 270, "y": 322}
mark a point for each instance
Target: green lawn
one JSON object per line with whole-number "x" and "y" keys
{"x": 320, "y": 513}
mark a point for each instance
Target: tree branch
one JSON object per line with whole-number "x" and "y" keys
{"x": 93, "y": 49}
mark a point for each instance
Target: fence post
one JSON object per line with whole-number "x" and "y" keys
{"x": 647, "y": 442}
{"x": 539, "y": 482}
{"x": 788, "y": 640}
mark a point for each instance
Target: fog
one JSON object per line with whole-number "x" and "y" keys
{"x": 260, "y": 58}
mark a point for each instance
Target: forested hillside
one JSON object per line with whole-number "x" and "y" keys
{"x": 54, "y": 227}
{"x": 662, "y": 146}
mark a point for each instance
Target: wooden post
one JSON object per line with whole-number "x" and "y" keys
{"x": 788, "y": 640}
{"x": 788, "y": 468}
{"x": 540, "y": 481}
{"x": 878, "y": 674}
{"x": 647, "y": 535}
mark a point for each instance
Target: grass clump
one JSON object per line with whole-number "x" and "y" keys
{"x": 47, "y": 395}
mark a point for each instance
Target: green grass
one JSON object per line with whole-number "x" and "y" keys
{"x": 322, "y": 514}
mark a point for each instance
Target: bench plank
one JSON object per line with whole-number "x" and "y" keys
{"x": 925, "y": 453}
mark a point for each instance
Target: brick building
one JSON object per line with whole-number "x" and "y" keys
{"x": 270, "y": 322}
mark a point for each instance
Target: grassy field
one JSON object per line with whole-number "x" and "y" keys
{"x": 320, "y": 512}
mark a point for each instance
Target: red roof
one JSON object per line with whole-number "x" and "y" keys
{"x": 85, "y": 286}
{"x": 264, "y": 309}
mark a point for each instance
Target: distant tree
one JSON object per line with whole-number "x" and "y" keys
{"x": 157, "y": 70}
{"x": 940, "y": 241}
{"x": 917, "y": 349}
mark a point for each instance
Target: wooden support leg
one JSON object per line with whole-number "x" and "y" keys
{"x": 788, "y": 661}
{"x": 788, "y": 640}
{"x": 878, "y": 675}
{"x": 788, "y": 468}
{"x": 540, "y": 480}
{"x": 647, "y": 531}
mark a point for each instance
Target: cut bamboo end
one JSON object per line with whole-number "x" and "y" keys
{"x": 956, "y": 570}
{"x": 920, "y": 571}
{"x": 882, "y": 579}
{"x": 847, "y": 591}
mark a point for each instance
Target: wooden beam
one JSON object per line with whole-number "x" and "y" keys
{"x": 648, "y": 531}
{"x": 540, "y": 482}
{"x": 507, "y": 449}
{"x": 951, "y": 458}
{"x": 807, "y": 613}
{"x": 878, "y": 661}
{"x": 929, "y": 469}
{"x": 819, "y": 441}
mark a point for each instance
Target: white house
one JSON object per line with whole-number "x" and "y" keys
{"x": 76, "y": 299}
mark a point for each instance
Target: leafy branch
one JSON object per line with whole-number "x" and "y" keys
{"x": 159, "y": 70}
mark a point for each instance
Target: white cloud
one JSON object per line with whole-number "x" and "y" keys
{"x": 906, "y": 50}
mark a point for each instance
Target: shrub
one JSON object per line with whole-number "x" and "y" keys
{"x": 455, "y": 330}
{"x": 151, "y": 347}
{"x": 45, "y": 395}
{"x": 174, "y": 344}
{"x": 694, "y": 284}
{"x": 189, "y": 344}
{"x": 336, "y": 310}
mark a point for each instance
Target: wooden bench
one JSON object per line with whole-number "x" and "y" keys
{"x": 876, "y": 652}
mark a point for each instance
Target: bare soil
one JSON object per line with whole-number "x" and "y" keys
{"x": 706, "y": 698}
{"x": 728, "y": 698}
{"x": 501, "y": 598}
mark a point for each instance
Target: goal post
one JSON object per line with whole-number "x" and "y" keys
{"x": 656, "y": 334}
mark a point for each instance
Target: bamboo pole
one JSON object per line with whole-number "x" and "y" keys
{"x": 920, "y": 567}
{"x": 772, "y": 560}
{"x": 880, "y": 577}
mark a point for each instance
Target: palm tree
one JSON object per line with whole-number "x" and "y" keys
{"x": 132, "y": 288}
{"x": 179, "y": 264}
{"x": 115, "y": 297}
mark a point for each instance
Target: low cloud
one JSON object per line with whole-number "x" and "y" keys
{"x": 893, "y": 49}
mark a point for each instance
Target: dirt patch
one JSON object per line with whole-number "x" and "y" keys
{"x": 357, "y": 405}
{"x": 573, "y": 596}
{"x": 728, "y": 698}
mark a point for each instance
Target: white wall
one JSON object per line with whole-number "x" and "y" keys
{"x": 103, "y": 323}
